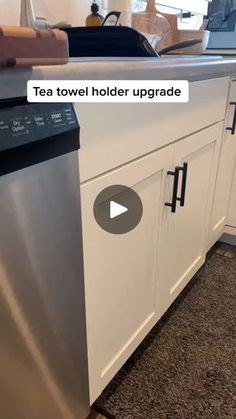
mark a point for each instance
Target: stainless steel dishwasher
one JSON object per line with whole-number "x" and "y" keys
{"x": 43, "y": 364}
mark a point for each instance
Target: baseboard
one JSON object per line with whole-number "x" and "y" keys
{"x": 228, "y": 238}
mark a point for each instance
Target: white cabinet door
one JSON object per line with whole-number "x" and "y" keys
{"x": 183, "y": 234}
{"x": 224, "y": 177}
{"x": 231, "y": 218}
{"x": 231, "y": 221}
{"x": 120, "y": 269}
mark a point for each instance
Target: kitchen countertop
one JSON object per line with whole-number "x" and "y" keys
{"x": 192, "y": 68}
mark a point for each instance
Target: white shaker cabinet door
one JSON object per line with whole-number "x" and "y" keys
{"x": 224, "y": 178}
{"x": 231, "y": 221}
{"x": 183, "y": 236}
{"x": 120, "y": 268}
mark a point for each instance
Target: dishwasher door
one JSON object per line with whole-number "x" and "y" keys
{"x": 43, "y": 354}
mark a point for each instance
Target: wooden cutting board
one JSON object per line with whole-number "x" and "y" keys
{"x": 29, "y": 47}
{"x": 171, "y": 38}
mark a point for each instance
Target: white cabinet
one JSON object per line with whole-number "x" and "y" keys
{"x": 183, "y": 235}
{"x": 131, "y": 279}
{"x": 120, "y": 276}
{"x": 224, "y": 173}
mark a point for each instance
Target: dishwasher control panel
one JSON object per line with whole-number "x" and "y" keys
{"x": 29, "y": 123}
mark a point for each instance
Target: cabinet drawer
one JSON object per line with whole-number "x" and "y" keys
{"x": 114, "y": 134}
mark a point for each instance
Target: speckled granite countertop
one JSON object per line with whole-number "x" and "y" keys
{"x": 13, "y": 81}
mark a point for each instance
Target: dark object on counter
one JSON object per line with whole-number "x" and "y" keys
{"x": 94, "y": 19}
{"x": 108, "y": 41}
{"x": 179, "y": 46}
{"x": 115, "y": 41}
{"x": 111, "y": 19}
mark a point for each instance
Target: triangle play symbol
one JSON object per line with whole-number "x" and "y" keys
{"x": 116, "y": 209}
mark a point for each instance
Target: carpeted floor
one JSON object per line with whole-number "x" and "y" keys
{"x": 186, "y": 367}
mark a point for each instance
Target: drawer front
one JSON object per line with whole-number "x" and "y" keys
{"x": 114, "y": 134}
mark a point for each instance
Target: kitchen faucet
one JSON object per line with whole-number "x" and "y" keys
{"x": 28, "y": 17}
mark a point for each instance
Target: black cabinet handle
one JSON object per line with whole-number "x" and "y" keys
{"x": 175, "y": 189}
{"x": 233, "y": 128}
{"x": 184, "y": 169}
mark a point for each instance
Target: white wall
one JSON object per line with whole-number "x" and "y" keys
{"x": 9, "y": 12}
{"x": 196, "y": 6}
{"x": 73, "y": 11}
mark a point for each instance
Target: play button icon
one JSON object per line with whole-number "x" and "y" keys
{"x": 118, "y": 209}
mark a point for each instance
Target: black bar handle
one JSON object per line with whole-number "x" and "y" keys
{"x": 175, "y": 189}
{"x": 184, "y": 169}
{"x": 233, "y": 128}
